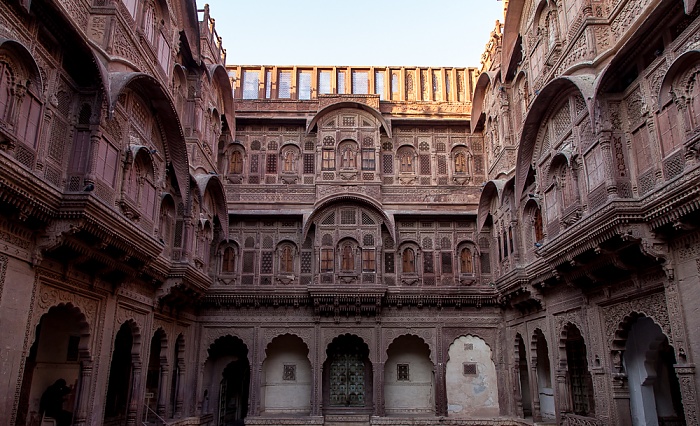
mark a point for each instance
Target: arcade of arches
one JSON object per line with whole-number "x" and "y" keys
{"x": 185, "y": 242}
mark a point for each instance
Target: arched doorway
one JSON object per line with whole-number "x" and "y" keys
{"x": 286, "y": 381}
{"x": 543, "y": 374}
{"x": 60, "y": 345}
{"x": 523, "y": 376}
{"x": 409, "y": 385}
{"x": 470, "y": 379}
{"x": 121, "y": 375}
{"x": 227, "y": 381}
{"x": 156, "y": 376}
{"x": 655, "y": 394}
{"x": 347, "y": 376}
{"x": 578, "y": 377}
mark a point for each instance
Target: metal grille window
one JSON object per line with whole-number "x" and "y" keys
{"x": 469, "y": 369}
{"x": 379, "y": 84}
{"x": 250, "y": 84}
{"x": 324, "y": 82}
{"x": 402, "y": 373}
{"x": 284, "y": 84}
{"x": 360, "y": 82}
{"x": 304, "y": 85}
{"x": 368, "y": 159}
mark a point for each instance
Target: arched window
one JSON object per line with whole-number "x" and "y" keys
{"x": 538, "y": 228}
{"x": 289, "y": 157}
{"x": 670, "y": 129}
{"x": 236, "y": 163}
{"x": 286, "y": 260}
{"x": 228, "y": 264}
{"x": 409, "y": 261}
{"x": 347, "y": 258}
{"x": 580, "y": 381}
{"x": 460, "y": 162}
{"x": 406, "y": 163}
{"x": 167, "y": 221}
{"x": 5, "y": 91}
{"x": 348, "y": 155}
{"x": 466, "y": 259}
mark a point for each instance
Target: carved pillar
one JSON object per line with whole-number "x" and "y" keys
{"x": 686, "y": 379}
{"x": 621, "y": 400}
{"x": 95, "y": 138}
{"x": 84, "y": 395}
{"x": 535, "y": 391}
{"x": 188, "y": 236}
{"x": 440, "y": 390}
{"x": 378, "y": 374}
{"x": 135, "y": 391}
{"x": 180, "y": 391}
{"x": 562, "y": 392}
{"x": 254, "y": 397}
{"x": 517, "y": 390}
{"x": 608, "y": 164}
{"x": 163, "y": 390}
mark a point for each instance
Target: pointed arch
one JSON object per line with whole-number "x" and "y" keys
{"x": 213, "y": 184}
{"x": 492, "y": 189}
{"x": 486, "y": 79}
{"x": 386, "y": 124}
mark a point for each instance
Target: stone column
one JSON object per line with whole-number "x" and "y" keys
{"x": 535, "y": 391}
{"x": 440, "y": 390}
{"x": 378, "y": 374}
{"x": 84, "y": 395}
{"x": 163, "y": 390}
{"x": 254, "y": 397}
{"x": 562, "y": 393}
{"x": 135, "y": 391}
{"x": 621, "y": 400}
{"x": 608, "y": 163}
{"x": 180, "y": 395}
{"x": 686, "y": 379}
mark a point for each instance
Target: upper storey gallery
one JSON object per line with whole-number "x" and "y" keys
{"x": 402, "y": 129}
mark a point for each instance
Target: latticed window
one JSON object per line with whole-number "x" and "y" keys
{"x": 327, "y": 260}
{"x": 409, "y": 261}
{"x": 229, "y": 262}
{"x": 442, "y": 165}
{"x": 406, "y": 161}
{"x": 594, "y": 168}
{"x": 428, "y": 266}
{"x": 368, "y": 239}
{"x": 551, "y": 205}
{"x": 347, "y": 217}
{"x": 425, "y": 164}
{"x": 309, "y": 164}
{"x": 368, "y": 261}
{"x": 360, "y": 82}
{"x": 287, "y": 260}
{"x": 268, "y": 84}
{"x": 446, "y": 258}
{"x": 389, "y": 263}
{"x": 341, "y": 82}
{"x": 254, "y": 161}
{"x": 271, "y": 166}
{"x": 460, "y": 163}
{"x": 324, "y": 82}
{"x": 347, "y": 258}
{"x": 466, "y": 260}
{"x": 306, "y": 262}
{"x": 248, "y": 262}
{"x": 539, "y": 229}
{"x": 388, "y": 164}
{"x": 670, "y": 130}
{"x": 250, "y": 84}
{"x": 328, "y": 159}
{"x": 368, "y": 159}
{"x": 266, "y": 262}
{"x": 284, "y": 85}
{"x": 236, "y": 165}
{"x": 304, "y": 85}
{"x": 379, "y": 84}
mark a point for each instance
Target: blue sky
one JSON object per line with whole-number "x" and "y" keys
{"x": 439, "y": 33}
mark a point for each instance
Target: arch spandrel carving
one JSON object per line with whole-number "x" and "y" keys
{"x": 211, "y": 335}
{"x": 307, "y": 335}
{"x": 49, "y": 296}
{"x": 366, "y": 334}
{"x": 652, "y": 306}
{"x": 488, "y": 335}
{"x": 389, "y": 335}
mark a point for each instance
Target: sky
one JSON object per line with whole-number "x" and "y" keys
{"x": 437, "y": 33}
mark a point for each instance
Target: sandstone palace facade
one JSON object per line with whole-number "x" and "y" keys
{"x": 189, "y": 243}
